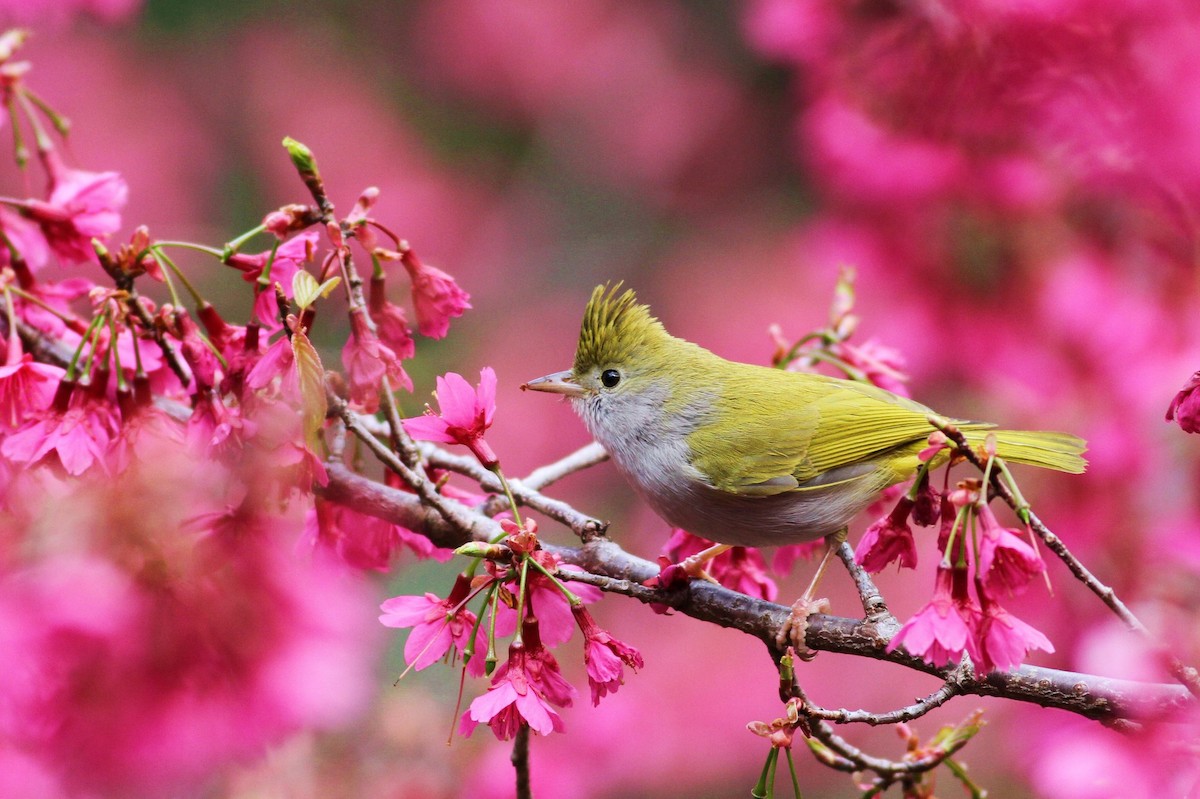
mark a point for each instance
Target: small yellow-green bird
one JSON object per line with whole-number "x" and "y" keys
{"x": 751, "y": 455}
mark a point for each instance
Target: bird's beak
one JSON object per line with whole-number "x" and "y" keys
{"x": 557, "y": 383}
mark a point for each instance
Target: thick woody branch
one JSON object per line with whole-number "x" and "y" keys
{"x": 613, "y": 570}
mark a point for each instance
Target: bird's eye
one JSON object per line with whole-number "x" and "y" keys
{"x": 610, "y": 377}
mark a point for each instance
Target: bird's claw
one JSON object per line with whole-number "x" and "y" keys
{"x": 693, "y": 566}
{"x": 795, "y": 627}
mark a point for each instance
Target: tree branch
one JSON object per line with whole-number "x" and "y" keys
{"x": 615, "y": 571}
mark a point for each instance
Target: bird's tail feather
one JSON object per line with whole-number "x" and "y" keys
{"x": 1050, "y": 450}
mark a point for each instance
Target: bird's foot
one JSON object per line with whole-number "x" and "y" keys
{"x": 795, "y": 627}
{"x": 693, "y": 567}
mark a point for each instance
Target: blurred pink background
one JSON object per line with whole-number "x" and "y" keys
{"x": 1016, "y": 184}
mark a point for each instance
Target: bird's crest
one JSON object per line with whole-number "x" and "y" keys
{"x": 614, "y": 325}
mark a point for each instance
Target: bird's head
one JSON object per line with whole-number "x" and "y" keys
{"x": 624, "y": 354}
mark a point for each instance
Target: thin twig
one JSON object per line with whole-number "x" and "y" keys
{"x": 874, "y": 607}
{"x": 520, "y": 761}
{"x": 454, "y": 512}
{"x": 586, "y": 456}
{"x": 583, "y": 525}
{"x": 919, "y": 708}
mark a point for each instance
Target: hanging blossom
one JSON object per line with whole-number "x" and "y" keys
{"x": 524, "y": 690}
{"x": 546, "y": 599}
{"x": 82, "y": 205}
{"x": 1001, "y": 640}
{"x": 436, "y": 296}
{"x": 25, "y": 385}
{"x": 77, "y": 429}
{"x": 1007, "y": 562}
{"x": 368, "y": 360}
{"x": 290, "y": 257}
{"x": 889, "y": 539}
{"x": 943, "y": 630}
{"x": 464, "y": 415}
{"x": 604, "y": 656}
{"x": 362, "y": 541}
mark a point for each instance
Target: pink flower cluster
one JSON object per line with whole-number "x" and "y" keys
{"x": 158, "y": 623}
{"x": 529, "y": 685}
{"x": 956, "y": 621}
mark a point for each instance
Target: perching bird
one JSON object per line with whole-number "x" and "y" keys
{"x": 748, "y": 455}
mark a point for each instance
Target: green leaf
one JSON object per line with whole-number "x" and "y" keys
{"x": 313, "y": 403}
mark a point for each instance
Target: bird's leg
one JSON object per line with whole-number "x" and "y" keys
{"x": 693, "y": 565}
{"x": 794, "y": 628}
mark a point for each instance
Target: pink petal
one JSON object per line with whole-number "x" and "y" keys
{"x": 428, "y": 428}
{"x": 405, "y": 611}
{"x": 427, "y": 643}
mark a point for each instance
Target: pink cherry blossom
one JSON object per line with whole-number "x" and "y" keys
{"x": 465, "y": 414}
{"x": 436, "y": 297}
{"x": 438, "y": 625}
{"x": 1007, "y": 562}
{"x": 888, "y": 539}
{"x": 882, "y": 365}
{"x": 368, "y": 360}
{"x": 524, "y": 690}
{"x": 82, "y": 205}
{"x": 941, "y": 632}
{"x": 786, "y": 556}
{"x": 290, "y": 257}
{"x": 362, "y": 541}
{"x": 276, "y": 371}
{"x": 26, "y": 238}
{"x": 604, "y": 656}
{"x": 26, "y": 386}
{"x": 77, "y": 431}
{"x": 1185, "y": 406}
{"x": 1002, "y": 640}
{"x": 390, "y": 322}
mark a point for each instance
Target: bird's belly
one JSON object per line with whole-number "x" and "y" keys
{"x": 792, "y": 517}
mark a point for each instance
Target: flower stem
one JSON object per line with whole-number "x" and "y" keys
{"x": 574, "y": 600}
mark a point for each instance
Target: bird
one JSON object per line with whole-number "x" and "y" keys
{"x": 749, "y": 455}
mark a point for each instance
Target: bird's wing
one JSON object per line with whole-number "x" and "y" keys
{"x": 822, "y": 430}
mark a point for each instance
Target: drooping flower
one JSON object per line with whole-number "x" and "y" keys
{"x": 1184, "y": 409}
{"x": 438, "y": 624}
{"x": 368, "y": 360}
{"x": 604, "y": 656}
{"x": 25, "y": 386}
{"x": 290, "y": 257}
{"x": 465, "y": 414}
{"x": 888, "y": 539}
{"x": 942, "y": 631}
{"x": 26, "y": 238}
{"x": 883, "y": 366}
{"x": 390, "y": 322}
{"x": 82, "y": 205}
{"x": 362, "y": 541}
{"x": 1006, "y": 561}
{"x": 436, "y": 297}
{"x": 523, "y": 691}
{"x": 76, "y": 429}
{"x": 1002, "y": 640}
